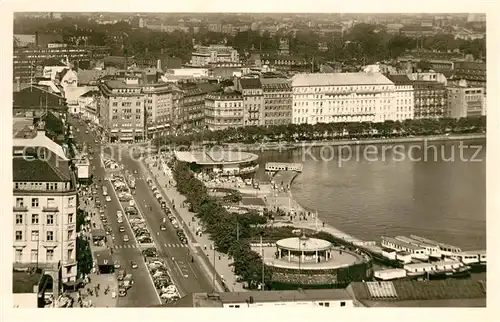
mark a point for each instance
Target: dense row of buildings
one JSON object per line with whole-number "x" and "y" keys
{"x": 136, "y": 104}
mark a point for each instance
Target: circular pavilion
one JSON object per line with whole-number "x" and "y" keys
{"x": 304, "y": 249}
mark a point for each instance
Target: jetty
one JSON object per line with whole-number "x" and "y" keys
{"x": 283, "y": 166}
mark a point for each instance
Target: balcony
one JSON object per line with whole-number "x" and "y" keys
{"x": 51, "y": 209}
{"x": 69, "y": 262}
{"x": 20, "y": 208}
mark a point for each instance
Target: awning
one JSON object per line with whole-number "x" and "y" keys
{"x": 114, "y": 131}
{"x": 127, "y": 131}
{"x": 126, "y": 139}
{"x": 98, "y": 233}
{"x": 103, "y": 258}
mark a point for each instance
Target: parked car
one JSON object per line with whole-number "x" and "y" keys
{"x": 133, "y": 264}
{"x": 117, "y": 264}
{"x": 119, "y": 213}
{"x": 122, "y": 229}
{"x": 108, "y": 198}
{"x": 163, "y": 227}
{"x": 125, "y": 238}
{"x": 120, "y": 220}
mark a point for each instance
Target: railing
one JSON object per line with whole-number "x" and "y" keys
{"x": 51, "y": 209}
{"x": 20, "y": 208}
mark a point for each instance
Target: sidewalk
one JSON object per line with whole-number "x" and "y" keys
{"x": 222, "y": 262}
{"x": 98, "y": 299}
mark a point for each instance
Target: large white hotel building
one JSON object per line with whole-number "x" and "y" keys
{"x": 345, "y": 97}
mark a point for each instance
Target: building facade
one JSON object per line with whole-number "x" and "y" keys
{"x": 159, "y": 101}
{"x": 45, "y": 204}
{"x": 473, "y": 72}
{"x": 121, "y": 110}
{"x": 277, "y": 101}
{"x": 403, "y": 96}
{"x": 342, "y": 97}
{"x": 224, "y": 110}
{"x": 465, "y": 101}
{"x": 26, "y": 59}
{"x": 430, "y": 100}
{"x": 253, "y": 101}
{"x": 206, "y": 55}
{"x": 192, "y": 105}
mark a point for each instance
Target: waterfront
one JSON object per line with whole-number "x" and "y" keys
{"x": 421, "y": 193}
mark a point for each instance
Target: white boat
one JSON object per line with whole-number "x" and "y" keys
{"x": 446, "y": 249}
{"x": 471, "y": 257}
{"x": 432, "y": 251}
{"x": 416, "y": 252}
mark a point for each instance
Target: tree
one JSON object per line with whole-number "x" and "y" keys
{"x": 83, "y": 256}
{"x": 424, "y": 65}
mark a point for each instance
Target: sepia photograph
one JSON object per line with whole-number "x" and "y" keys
{"x": 241, "y": 160}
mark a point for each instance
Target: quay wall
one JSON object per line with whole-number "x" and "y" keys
{"x": 307, "y": 144}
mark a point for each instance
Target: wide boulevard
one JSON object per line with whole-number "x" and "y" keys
{"x": 143, "y": 293}
{"x": 186, "y": 272}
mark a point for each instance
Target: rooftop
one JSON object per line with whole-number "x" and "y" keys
{"x": 332, "y": 79}
{"x": 215, "y": 157}
{"x": 304, "y": 244}
{"x": 400, "y": 79}
{"x": 400, "y": 243}
{"x": 421, "y": 292}
{"x": 40, "y": 171}
{"x": 288, "y": 295}
{"x": 40, "y": 140}
{"x": 250, "y": 83}
{"x": 37, "y": 97}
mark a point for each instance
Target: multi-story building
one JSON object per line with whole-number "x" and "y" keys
{"x": 45, "y": 204}
{"x": 253, "y": 100}
{"x": 473, "y": 72}
{"x": 160, "y": 102}
{"x": 342, "y": 97}
{"x": 192, "y": 105}
{"x": 430, "y": 100}
{"x": 403, "y": 96}
{"x": 206, "y": 55}
{"x": 464, "y": 101}
{"x": 224, "y": 110}
{"x": 121, "y": 110}
{"x": 277, "y": 101}
{"x": 26, "y": 59}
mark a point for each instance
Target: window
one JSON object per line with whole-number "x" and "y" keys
{"x": 50, "y": 219}
{"x": 71, "y": 201}
{"x": 34, "y": 235}
{"x": 19, "y": 255}
{"x": 70, "y": 254}
{"x": 19, "y": 235}
{"x": 19, "y": 202}
{"x": 34, "y": 255}
{"x": 50, "y": 236}
{"x": 327, "y": 304}
{"x": 34, "y": 202}
{"x": 49, "y": 256}
{"x": 70, "y": 218}
{"x": 34, "y": 219}
{"x": 342, "y": 303}
{"x": 70, "y": 234}
{"x": 19, "y": 219}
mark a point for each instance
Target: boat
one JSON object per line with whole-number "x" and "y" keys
{"x": 446, "y": 249}
{"x": 432, "y": 251}
{"x": 417, "y": 252}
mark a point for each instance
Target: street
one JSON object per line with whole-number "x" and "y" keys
{"x": 144, "y": 293}
{"x": 188, "y": 275}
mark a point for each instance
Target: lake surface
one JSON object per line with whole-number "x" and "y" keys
{"x": 434, "y": 190}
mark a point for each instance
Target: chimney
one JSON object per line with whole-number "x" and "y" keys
{"x": 158, "y": 64}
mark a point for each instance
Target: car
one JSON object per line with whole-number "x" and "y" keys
{"x": 133, "y": 264}
{"x": 184, "y": 240}
{"x": 117, "y": 264}
{"x": 104, "y": 219}
{"x": 176, "y": 225}
{"x": 180, "y": 232}
{"x": 87, "y": 132}
{"x": 125, "y": 238}
{"x": 108, "y": 198}
{"x": 120, "y": 220}
{"x": 122, "y": 292}
{"x": 96, "y": 141}
{"x": 122, "y": 229}
{"x": 119, "y": 213}
{"x": 163, "y": 227}
{"x": 135, "y": 171}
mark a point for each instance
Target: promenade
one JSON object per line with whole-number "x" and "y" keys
{"x": 97, "y": 281}
{"x": 205, "y": 253}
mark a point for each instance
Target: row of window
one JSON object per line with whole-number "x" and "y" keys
{"x": 311, "y": 89}
{"x": 48, "y": 186}
{"x": 35, "y": 219}
{"x": 126, "y": 117}
{"x": 49, "y": 256}
{"x": 126, "y": 104}
{"x": 35, "y": 235}
{"x": 35, "y": 202}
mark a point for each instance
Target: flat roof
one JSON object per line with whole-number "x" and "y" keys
{"x": 215, "y": 157}
{"x": 288, "y": 295}
{"x": 433, "y": 242}
{"x": 304, "y": 244}
{"x": 400, "y": 243}
{"x": 332, "y": 79}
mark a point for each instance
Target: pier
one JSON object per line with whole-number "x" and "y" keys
{"x": 283, "y": 166}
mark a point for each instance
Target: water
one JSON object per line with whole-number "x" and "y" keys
{"x": 377, "y": 192}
